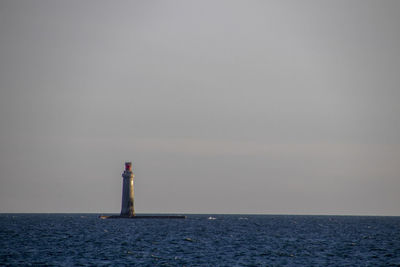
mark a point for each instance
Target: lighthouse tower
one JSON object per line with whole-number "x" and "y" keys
{"x": 127, "y": 206}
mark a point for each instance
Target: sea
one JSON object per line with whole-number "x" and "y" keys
{"x": 199, "y": 240}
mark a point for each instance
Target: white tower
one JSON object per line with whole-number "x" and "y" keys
{"x": 127, "y": 206}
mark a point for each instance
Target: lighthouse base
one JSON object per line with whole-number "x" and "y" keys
{"x": 144, "y": 217}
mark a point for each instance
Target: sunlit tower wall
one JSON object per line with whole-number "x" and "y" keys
{"x": 127, "y": 206}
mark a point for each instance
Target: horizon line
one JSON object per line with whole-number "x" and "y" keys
{"x": 185, "y": 213}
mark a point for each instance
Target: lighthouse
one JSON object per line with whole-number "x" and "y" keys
{"x": 127, "y": 206}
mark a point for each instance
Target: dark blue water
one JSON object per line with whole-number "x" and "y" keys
{"x": 228, "y": 240}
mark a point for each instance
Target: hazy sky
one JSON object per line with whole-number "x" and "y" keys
{"x": 277, "y": 107}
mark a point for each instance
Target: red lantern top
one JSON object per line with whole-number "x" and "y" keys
{"x": 128, "y": 166}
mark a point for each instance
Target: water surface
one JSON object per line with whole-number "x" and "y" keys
{"x": 200, "y": 240}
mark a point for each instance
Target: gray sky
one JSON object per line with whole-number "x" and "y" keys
{"x": 223, "y": 106}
